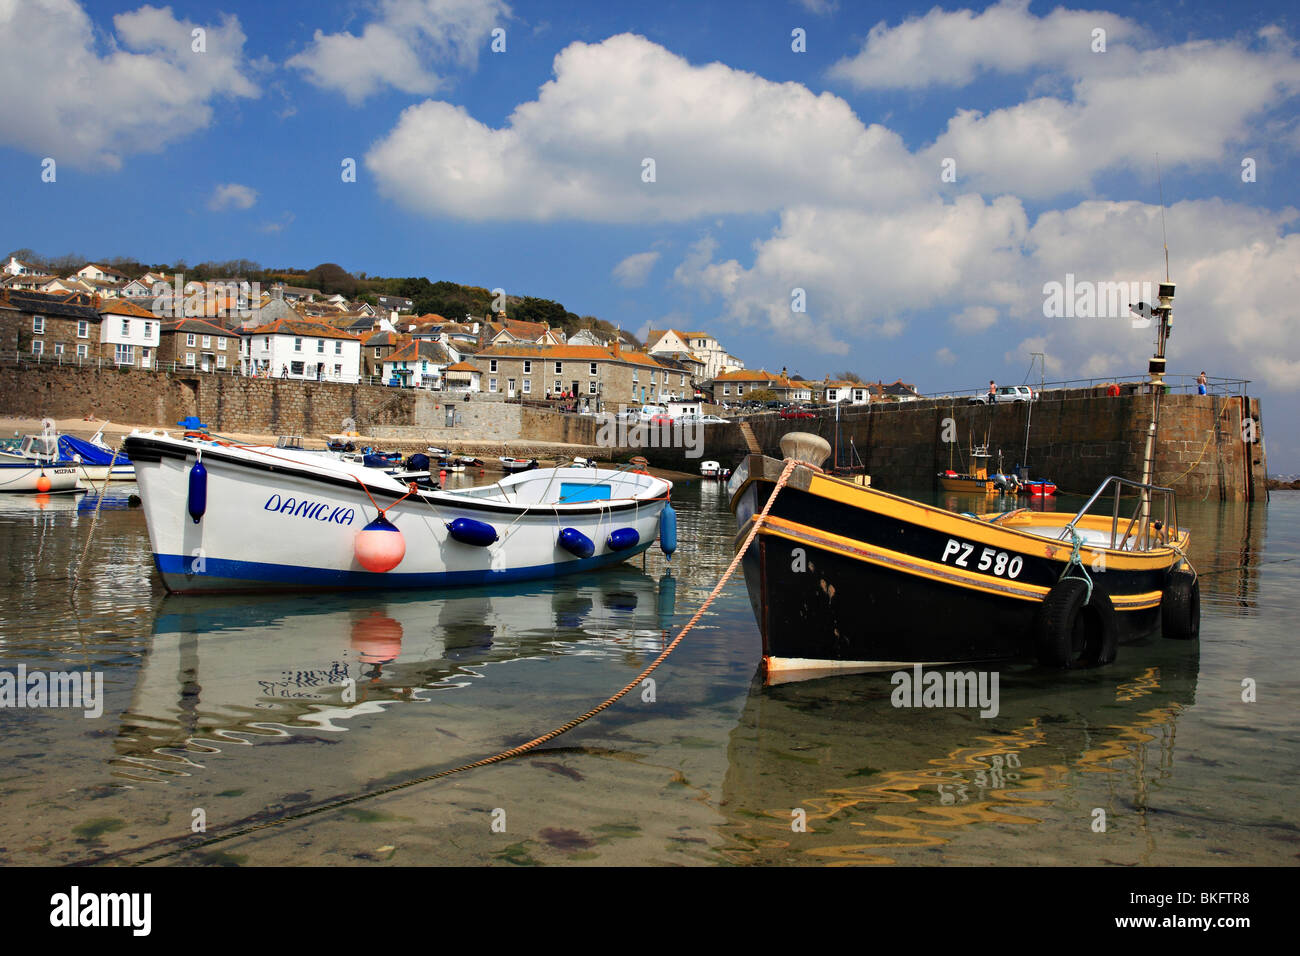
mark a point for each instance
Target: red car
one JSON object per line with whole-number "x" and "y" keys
{"x": 796, "y": 413}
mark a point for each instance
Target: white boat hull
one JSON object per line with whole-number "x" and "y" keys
{"x": 24, "y": 477}
{"x": 272, "y": 522}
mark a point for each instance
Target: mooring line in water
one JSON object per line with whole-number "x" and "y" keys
{"x": 504, "y": 755}
{"x": 76, "y": 573}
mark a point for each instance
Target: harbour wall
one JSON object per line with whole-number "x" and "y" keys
{"x": 1076, "y": 437}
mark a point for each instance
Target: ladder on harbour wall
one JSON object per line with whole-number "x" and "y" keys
{"x": 750, "y": 441}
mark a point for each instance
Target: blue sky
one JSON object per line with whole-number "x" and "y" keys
{"x": 775, "y": 170}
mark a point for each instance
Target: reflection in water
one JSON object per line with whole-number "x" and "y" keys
{"x": 242, "y": 667}
{"x": 875, "y": 781}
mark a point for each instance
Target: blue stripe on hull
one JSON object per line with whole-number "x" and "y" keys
{"x": 224, "y": 575}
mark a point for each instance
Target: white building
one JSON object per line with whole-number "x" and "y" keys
{"x": 417, "y": 364}
{"x": 16, "y": 267}
{"x": 851, "y": 393}
{"x": 128, "y": 334}
{"x": 301, "y": 349}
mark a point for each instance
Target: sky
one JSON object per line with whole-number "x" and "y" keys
{"x": 889, "y": 188}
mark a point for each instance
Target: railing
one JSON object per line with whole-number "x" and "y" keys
{"x": 1174, "y": 382}
{"x": 1166, "y": 531}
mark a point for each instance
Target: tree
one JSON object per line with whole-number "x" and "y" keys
{"x": 853, "y": 377}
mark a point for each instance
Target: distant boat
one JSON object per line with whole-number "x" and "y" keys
{"x": 512, "y": 465}
{"x": 710, "y": 469}
{"x": 33, "y": 477}
{"x": 90, "y": 459}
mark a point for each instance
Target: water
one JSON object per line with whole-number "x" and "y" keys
{"x": 221, "y": 710}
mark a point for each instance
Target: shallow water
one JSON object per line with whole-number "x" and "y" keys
{"x": 222, "y": 710}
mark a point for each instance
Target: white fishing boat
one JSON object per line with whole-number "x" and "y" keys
{"x": 710, "y": 469}
{"x": 227, "y": 517}
{"x": 90, "y": 458}
{"x": 34, "y": 477}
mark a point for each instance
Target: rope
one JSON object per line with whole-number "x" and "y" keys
{"x": 94, "y": 521}
{"x": 1076, "y": 561}
{"x": 536, "y": 741}
{"x": 1204, "y": 449}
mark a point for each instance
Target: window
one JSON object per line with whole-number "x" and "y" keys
{"x": 559, "y": 368}
{"x": 221, "y": 341}
{"x": 528, "y": 386}
{"x": 297, "y": 345}
{"x": 634, "y": 375}
{"x": 338, "y": 348}
{"x": 190, "y": 338}
{"x": 492, "y": 367}
{"x": 338, "y": 371}
{"x": 320, "y": 345}
{"x": 740, "y": 390}
{"x": 207, "y": 341}
{"x": 83, "y": 329}
{"x": 126, "y": 326}
{"x": 376, "y": 351}
{"x": 189, "y": 359}
{"x": 557, "y": 388}
{"x": 528, "y": 368}
{"x": 296, "y": 368}
{"x": 124, "y": 354}
{"x": 492, "y": 383}
{"x": 591, "y": 388}
{"x": 38, "y": 347}
{"x": 148, "y": 329}
{"x": 593, "y": 368}
{"x": 38, "y": 324}
{"x": 221, "y": 361}
{"x": 683, "y": 379}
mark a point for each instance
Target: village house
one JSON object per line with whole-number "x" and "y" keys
{"x": 198, "y": 344}
{"x": 600, "y": 378}
{"x": 393, "y": 303}
{"x": 851, "y": 393}
{"x": 417, "y": 365}
{"x": 463, "y": 376}
{"x": 128, "y": 334}
{"x": 16, "y": 267}
{"x": 49, "y": 327}
{"x": 712, "y": 356}
{"x": 301, "y": 349}
{"x": 376, "y": 346}
{"x": 738, "y": 384}
{"x": 98, "y": 273}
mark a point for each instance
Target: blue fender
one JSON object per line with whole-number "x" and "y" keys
{"x": 668, "y": 531}
{"x": 198, "y": 499}
{"x": 576, "y": 543}
{"x": 469, "y": 531}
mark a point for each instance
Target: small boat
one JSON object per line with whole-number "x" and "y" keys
{"x": 91, "y": 458}
{"x": 582, "y": 463}
{"x": 844, "y": 578}
{"x": 1039, "y": 487}
{"x": 513, "y": 465}
{"x": 469, "y": 461}
{"x": 976, "y": 481}
{"x": 710, "y": 469}
{"x": 38, "y": 478}
{"x": 234, "y": 518}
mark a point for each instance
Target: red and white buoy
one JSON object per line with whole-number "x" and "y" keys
{"x": 380, "y": 545}
{"x": 43, "y": 483}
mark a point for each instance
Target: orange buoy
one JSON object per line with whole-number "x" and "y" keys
{"x": 380, "y": 545}
{"x": 377, "y": 639}
{"x": 43, "y": 483}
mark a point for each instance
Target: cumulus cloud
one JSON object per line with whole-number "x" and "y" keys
{"x": 232, "y": 196}
{"x": 149, "y": 87}
{"x": 635, "y": 269}
{"x": 722, "y": 141}
{"x": 404, "y": 47}
{"x": 952, "y": 48}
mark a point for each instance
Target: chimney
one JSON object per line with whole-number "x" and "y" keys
{"x": 618, "y": 347}
{"x": 277, "y": 291}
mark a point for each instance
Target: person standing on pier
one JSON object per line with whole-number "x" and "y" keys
{"x": 1201, "y": 383}
{"x": 993, "y": 393}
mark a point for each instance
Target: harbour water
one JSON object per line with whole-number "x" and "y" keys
{"x": 220, "y": 712}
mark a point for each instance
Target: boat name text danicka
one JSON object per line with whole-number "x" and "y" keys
{"x": 312, "y": 510}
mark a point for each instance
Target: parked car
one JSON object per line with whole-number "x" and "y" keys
{"x": 796, "y": 413}
{"x": 1007, "y": 393}
{"x": 713, "y": 420}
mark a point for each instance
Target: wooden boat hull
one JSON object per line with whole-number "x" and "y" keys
{"x": 964, "y": 484}
{"x": 847, "y": 578}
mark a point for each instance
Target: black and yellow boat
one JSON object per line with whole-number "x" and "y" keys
{"x": 845, "y": 578}
{"x": 975, "y": 481}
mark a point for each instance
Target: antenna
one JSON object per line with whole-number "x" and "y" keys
{"x": 1163, "y": 235}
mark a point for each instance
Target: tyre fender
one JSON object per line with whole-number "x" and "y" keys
{"x": 1180, "y": 607}
{"x": 1072, "y": 630}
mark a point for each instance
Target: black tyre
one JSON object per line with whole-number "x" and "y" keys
{"x": 1180, "y": 607}
{"x": 1070, "y": 634}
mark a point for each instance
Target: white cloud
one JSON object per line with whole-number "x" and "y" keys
{"x": 821, "y": 8}
{"x": 405, "y": 47}
{"x": 635, "y": 269}
{"x": 63, "y": 99}
{"x": 945, "y": 356}
{"x": 232, "y": 196}
{"x": 722, "y": 140}
{"x": 946, "y": 48}
{"x": 975, "y": 318}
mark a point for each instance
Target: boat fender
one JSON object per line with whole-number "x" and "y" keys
{"x": 622, "y": 539}
{"x": 379, "y": 545}
{"x": 198, "y": 498}
{"x": 1180, "y": 607}
{"x": 576, "y": 543}
{"x": 666, "y": 601}
{"x": 668, "y": 530}
{"x": 43, "y": 483}
{"x": 468, "y": 531}
{"x": 1057, "y": 617}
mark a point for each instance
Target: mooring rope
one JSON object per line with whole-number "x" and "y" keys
{"x": 533, "y": 744}
{"x": 94, "y": 521}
